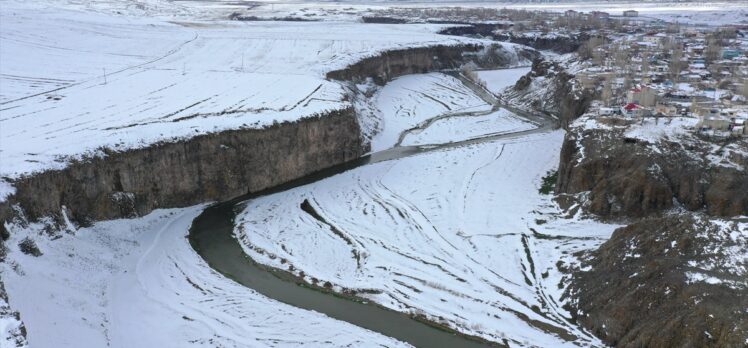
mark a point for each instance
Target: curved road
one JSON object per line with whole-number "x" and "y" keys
{"x": 212, "y": 236}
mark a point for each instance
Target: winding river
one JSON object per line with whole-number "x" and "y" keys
{"x": 212, "y": 236}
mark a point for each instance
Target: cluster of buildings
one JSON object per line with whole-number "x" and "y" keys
{"x": 599, "y": 14}
{"x": 689, "y": 72}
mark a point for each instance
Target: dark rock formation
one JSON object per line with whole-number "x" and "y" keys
{"x": 207, "y": 167}
{"x": 28, "y": 246}
{"x": 640, "y": 289}
{"x": 383, "y": 20}
{"x": 14, "y": 330}
{"x": 557, "y": 94}
{"x": 476, "y": 30}
{"x": 631, "y": 178}
{"x": 556, "y": 43}
{"x": 390, "y": 64}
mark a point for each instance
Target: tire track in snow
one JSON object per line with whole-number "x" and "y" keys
{"x": 168, "y": 53}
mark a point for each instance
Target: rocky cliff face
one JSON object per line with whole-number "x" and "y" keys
{"x": 675, "y": 281}
{"x": 210, "y": 167}
{"x": 417, "y": 60}
{"x": 668, "y": 279}
{"x": 557, "y": 43}
{"x": 630, "y": 177}
{"x": 390, "y": 64}
{"x": 550, "y": 89}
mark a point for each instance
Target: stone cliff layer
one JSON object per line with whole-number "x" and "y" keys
{"x": 498, "y": 32}
{"x": 390, "y": 64}
{"x": 204, "y": 168}
{"x": 627, "y": 178}
{"x": 550, "y": 89}
{"x": 645, "y": 287}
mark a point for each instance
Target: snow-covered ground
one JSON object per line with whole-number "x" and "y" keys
{"x": 702, "y": 12}
{"x": 410, "y": 100}
{"x": 460, "y": 235}
{"x": 73, "y": 82}
{"x": 497, "y": 80}
{"x": 139, "y": 283}
{"x": 460, "y": 128}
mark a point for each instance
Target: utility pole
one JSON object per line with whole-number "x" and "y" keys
{"x": 104, "y": 75}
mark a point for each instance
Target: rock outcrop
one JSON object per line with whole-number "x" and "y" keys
{"x": 668, "y": 279}
{"x": 204, "y": 168}
{"x": 553, "y": 42}
{"x": 674, "y": 281}
{"x": 557, "y": 43}
{"x": 13, "y": 330}
{"x": 629, "y": 177}
{"x": 387, "y": 65}
{"x": 390, "y": 64}
{"x": 550, "y": 89}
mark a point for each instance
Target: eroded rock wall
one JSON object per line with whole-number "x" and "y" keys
{"x": 631, "y": 178}
{"x": 204, "y": 168}
{"x": 550, "y": 89}
{"x": 645, "y": 287}
{"x": 557, "y": 43}
{"x": 390, "y": 64}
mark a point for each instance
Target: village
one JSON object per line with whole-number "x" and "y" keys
{"x": 659, "y": 71}
{"x": 642, "y": 68}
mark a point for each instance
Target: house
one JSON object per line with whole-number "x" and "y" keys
{"x": 696, "y": 49}
{"x": 652, "y": 39}
{"x": 730, "y": 53}
{"x": 740, "y": 131}
{"x": 632, "y": 110}
{"x": 642, "y": 95}
{"x": 600, "y": 14}
{"x": 666, "y": 110}
{"x": 714, "y": 122}
{"x": 739, "y": 126}
{"x": 631, "y": 13}
{"x": 571, "y": 13}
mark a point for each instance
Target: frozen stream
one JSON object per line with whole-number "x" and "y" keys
{"x": 289, "y": 228}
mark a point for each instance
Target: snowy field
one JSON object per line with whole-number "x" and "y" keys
{"x": 460, "y": 128}
{"x": 454, "y": 234}
{"x": 410, "y": 100}
{"x": 497, "y": 80}
{"x": 73, "y": 82}
{"x": 702, "y": 12}
{"x": 139, "y": 283}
